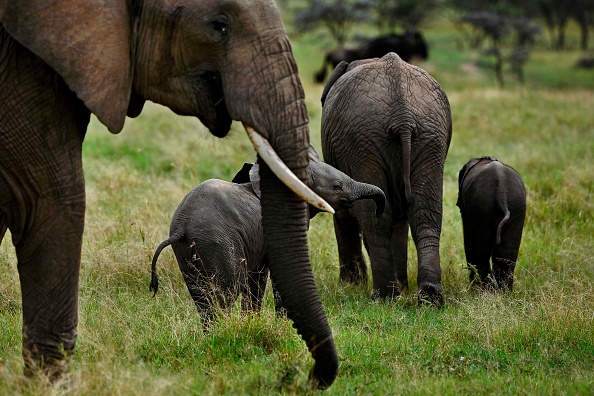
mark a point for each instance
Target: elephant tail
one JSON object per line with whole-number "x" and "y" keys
{"x": 406, "y": 138}
{"x": 501, "y": 197}
{"x": 154, "y": 279}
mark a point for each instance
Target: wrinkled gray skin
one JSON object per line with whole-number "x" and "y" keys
{"x": 387, "y": 122}
{"x": 492, "y": 202}
{"x": 217, "y": 237}
{"x": 216, "y": 60}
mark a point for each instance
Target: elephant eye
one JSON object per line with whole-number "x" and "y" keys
{"x": 220, "y": 26}
{"x": 337, "y": 186}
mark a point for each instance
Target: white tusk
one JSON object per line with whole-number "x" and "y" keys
{"x": 281, "y": 171}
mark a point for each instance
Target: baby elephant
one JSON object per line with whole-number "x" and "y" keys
{"x": 217, "y": 237}
{"x": 492, "y": 201}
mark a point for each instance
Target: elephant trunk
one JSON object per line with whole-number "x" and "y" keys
{"x": 369, "y": 191}
{"x": 286, "y": 240}
{"x": 283, "y": 121}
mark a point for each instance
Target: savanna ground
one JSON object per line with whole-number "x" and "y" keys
{"x": 539, "y": 339}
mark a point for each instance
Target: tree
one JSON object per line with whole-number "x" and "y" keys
{"x": 406, "y": 14}
{"x": 338, "y": 16}
{"x": 557, "y": 14}
{"x": 498, "y": 27}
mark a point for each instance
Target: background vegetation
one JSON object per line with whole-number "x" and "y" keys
{"x": 537, "y": 340}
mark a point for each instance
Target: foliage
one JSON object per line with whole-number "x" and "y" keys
{"x": 338, "y": 16}
{"x": 554, "y": 13}
{"x": 405, "y": 14}
{"x": 497, "y": 27}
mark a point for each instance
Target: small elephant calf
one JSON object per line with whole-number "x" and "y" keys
{"x": 492, "y": 202}
{"x": 217, "y": 236}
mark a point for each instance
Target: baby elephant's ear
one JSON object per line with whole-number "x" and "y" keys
{"x": 243, "y": 176}
{"x": 255, "y": 179}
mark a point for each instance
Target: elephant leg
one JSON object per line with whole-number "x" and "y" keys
{"x": 254, "y": 292}
{"x": 400, "y": 253}
{"x": 204, "y": 284}
{"x": 42, "y": 202}
{"x": 353, "y": 268}
{"x": 505, "y": 254}
{"x": 200, "y": 291}
{"x": 378, "y": 235}
{"x": 278, "y": 302}
{"x": 478, "y": 244}
{"x": 48, "y": 265}
{"x": 503, "y": 273}
{"x": 45, "y": 213}
{"x": 425, "y": 218}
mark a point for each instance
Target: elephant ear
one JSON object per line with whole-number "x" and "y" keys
{"x": 86, "y": 42}
{"x": 243, "y": 176}
{"x": 255, "y": 179}
{"x": 249, "y": 173}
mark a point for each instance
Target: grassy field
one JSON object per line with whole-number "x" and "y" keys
{"x": 537, "y": 340}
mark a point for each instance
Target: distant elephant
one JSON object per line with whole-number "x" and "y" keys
{"x": 217, "y": 60}
{"x": 492, "y": 202}
{"x": 387, "y": 122}
{"x": 217, "y": 237}
{"x": 408, "y": 46}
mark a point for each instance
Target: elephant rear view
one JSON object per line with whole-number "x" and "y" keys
{"x": 492, "y": 202}
{"x": 388, "y": 123}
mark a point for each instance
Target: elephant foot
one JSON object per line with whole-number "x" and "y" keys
{"x": 386, "y": 293}
{"x": 431, "y": 294}
{"x": 353, "y": 276}
{"x": 50, "y": 367}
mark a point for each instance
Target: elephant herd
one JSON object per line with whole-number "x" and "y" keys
{"x": 386, "y": 130}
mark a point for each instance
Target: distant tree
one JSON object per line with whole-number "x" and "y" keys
{"x": 389, "y": 15}
{"x": 583, "y": 14}
{"x": 338, "y": 16}
{"x": 557, "y": 14}
{"x": 498, "y": 27}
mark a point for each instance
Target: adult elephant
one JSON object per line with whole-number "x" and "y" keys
{"x": 218, "y": 60}
{"x": 388, "y": 123}
{"x": 408, "y": 46}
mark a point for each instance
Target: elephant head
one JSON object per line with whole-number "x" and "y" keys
{"x": 217, "y": 60}
{"x": 339, "y": 189}
{"x": 332, "y": 185}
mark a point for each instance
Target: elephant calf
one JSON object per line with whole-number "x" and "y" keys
{"x": 492, "y": 202}
{"x": 217, "y": 236}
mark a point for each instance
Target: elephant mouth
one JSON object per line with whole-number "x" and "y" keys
{"x": 215, "y": 115}
{"x": 345, "y": 203}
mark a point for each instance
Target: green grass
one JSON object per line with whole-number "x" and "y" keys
{"x": 537, "y": 340}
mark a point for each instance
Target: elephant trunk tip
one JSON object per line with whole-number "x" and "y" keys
{"x": 369, "y": 191}
{"x": 323, "y": 375}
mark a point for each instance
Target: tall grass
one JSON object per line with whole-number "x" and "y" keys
{"x": 537, "y": 340}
